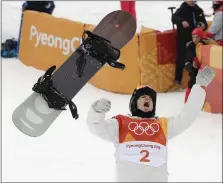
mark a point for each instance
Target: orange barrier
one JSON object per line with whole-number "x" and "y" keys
{"x": 115, "y": 80}
{"x": 121, "y": 81}
{"x": 211, "y": 55}
{"x": 47, "y": 40}
{"x": 157, "y": 59}
{"x": 149, "y": 57}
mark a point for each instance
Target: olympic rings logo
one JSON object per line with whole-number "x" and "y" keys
{"x": 143, "y": 127}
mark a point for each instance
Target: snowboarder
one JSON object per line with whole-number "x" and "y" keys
{"x": 141, "y": 138}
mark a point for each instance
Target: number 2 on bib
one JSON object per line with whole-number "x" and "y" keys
{"x": 145, "y": 157}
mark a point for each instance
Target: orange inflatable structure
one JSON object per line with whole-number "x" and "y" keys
{"x": 211, "y": 55}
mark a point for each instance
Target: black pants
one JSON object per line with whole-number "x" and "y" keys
{"x": 183, "y": 37}
{"x": 180, "y": 62}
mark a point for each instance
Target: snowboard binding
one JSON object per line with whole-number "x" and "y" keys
{"x": 101, "y": 49}
{"x": 52, "y": 96}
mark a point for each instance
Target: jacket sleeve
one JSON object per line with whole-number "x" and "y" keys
{"x": 177, "y": 17}
{"x": 216, "y": 24}
{"x": 202, "y": 19}
{"x": 190, "y": 111}
{"x": 106, "y": 129}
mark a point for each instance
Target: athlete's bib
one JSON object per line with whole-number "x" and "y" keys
{"x": 143, "y": 152}
{"x": 142, "y": 141}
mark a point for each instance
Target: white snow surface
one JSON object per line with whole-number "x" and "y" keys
{"x": 68, "y": 152}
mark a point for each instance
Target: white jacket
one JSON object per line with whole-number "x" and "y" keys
{"x": 108, "y": 129}
{"x": 216, "y": 26}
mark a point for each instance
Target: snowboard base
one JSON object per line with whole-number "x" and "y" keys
{"x": 34, "y": 116}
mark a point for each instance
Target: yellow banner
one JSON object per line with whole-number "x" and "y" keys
{"x": 47, "y": 40}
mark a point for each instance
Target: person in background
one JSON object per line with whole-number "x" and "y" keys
{"x": 187, "y": 17}
{"x": 8, "y": 48}
{"x": 215, "y": 30}
{"x": 129, "y": 6}
{"x": 191, "y": 62}
{"x": 40, "y": 6}
{"x": 141, "y": 138}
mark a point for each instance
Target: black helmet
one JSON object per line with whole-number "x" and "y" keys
{"x": 138, "y": 92}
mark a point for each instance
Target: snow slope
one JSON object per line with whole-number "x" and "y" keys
{"x": 68, "y": 152}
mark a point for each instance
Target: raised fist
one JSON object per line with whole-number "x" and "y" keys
{"x": 102, "y": 106}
